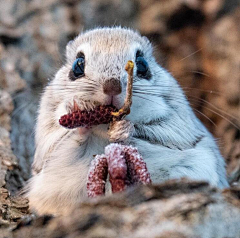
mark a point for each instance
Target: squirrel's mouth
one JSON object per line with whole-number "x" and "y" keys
{"x": 88, "y": 105}
{"x": 91, "y": 106}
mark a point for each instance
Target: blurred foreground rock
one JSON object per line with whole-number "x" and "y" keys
{"x": 174, "y": 209}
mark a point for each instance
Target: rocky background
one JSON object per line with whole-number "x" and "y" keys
{"x": 198, "y": 41}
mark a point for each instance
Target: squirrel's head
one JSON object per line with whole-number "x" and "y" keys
{"x": 94, "y": 74}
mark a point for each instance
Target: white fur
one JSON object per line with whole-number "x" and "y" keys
{"x": 161, "y": 124}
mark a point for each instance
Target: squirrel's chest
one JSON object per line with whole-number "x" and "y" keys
{"x": 94, "y": 145}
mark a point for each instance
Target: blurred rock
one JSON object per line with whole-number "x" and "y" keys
{"x": 6, "y": 107}
{"x": 173, "y": 209}
{"x": 221, "y": 45}
{"x": 11, "y": 209}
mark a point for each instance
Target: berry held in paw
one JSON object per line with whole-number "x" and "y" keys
{"x": 100, "y": 115}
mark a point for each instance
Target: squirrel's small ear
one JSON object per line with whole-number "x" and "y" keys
{"x": 70, "y": 52}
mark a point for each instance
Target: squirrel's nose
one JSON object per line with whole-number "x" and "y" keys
{"x": 112, "y": 87}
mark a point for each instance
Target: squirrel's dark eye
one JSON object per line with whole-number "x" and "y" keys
{"x": 142, "y": 67}
{"x": 78, "y": 67}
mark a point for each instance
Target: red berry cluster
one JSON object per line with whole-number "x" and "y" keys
{"x": 124, "y": 165}
{"x": 100, "y": 115}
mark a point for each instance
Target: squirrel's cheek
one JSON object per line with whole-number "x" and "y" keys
{"x": 61, "y": 109}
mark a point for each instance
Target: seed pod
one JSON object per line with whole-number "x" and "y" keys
{"x": 100, "y": 115}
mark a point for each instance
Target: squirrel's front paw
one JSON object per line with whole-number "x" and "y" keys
{"x": 121, "y": 131}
